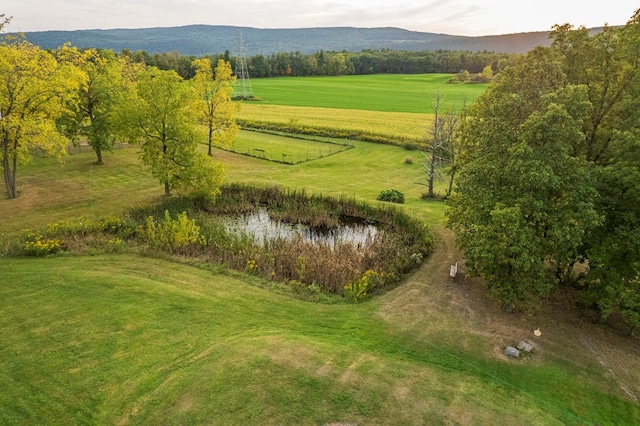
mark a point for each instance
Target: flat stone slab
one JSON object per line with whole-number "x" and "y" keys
{"x": 525, "y": 346}
{"x": 512, "y": 352}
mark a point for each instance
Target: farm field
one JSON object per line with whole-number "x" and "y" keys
{"x": 399, "y": 106}
{"x": 131, "y": 339}
{"x": 401, "y": 125}
{"x": 413, "y": 93}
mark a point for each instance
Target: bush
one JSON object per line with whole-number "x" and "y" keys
{"x": 391, "y": 195}
{"x": 172, "y": 235}
{"x": 358, "y": 290}
{"x": 408, "y": 160}
{"x": 34, "y": 244}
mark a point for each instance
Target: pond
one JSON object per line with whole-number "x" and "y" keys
{"x": 265, "y": 229}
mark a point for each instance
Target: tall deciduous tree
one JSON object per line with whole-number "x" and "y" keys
{"x": 550, "y": 172}
{"x": 34, "y": 90}
{"x": 522, "y": 202}
{"x": 613, "y": 278}
{"x": 608, "y": 64}
{"x": 217, "y": 109}
{"x": 93, "y": 114}
{"x": 161, "y": 117}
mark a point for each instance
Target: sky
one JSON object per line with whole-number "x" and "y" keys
{"x": 454, "y": 17}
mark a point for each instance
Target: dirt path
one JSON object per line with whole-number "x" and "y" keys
{"x": 433, "y": 305}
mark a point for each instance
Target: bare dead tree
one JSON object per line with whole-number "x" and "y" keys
{"x": 440, "y": 144}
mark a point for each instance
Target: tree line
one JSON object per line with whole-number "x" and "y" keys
{"x": 384, "y": 61}
{"x": 49, "y": 98}
{"x": 547, "y": 190}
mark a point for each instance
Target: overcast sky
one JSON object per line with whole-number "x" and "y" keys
{"x": 456, "y": 17}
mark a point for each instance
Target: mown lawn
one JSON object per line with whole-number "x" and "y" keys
{"x": 134, "y": 340}
{"x": 286, "y": 149}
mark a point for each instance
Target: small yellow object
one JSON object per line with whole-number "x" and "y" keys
{"x": 537, "y": 332}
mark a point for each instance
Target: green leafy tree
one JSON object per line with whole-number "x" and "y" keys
{"x": 34, "y": 89}
{"x": 162, "y": 118}
{"x": 612, "y": 281}
{"x": 217, "y": 109}
{"x": 522, "y": 202}
{"x": 550, "y": 154}
{"x": 93, "y": 113}
{"x": 608, "y": 64}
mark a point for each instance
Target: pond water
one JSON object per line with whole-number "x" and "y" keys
{"x": 264, "y": 229}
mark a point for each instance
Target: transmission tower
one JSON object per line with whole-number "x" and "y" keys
{"x": 242, "y": 87}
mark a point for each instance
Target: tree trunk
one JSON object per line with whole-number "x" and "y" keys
{"x": 432, "y": 171}
{"x": 99, "y": 155}
{"x": 9, "y": 173}
{"x": 167, "y": 188}
{"x": 210, "y": 138}
{"x": 450, "y": 189}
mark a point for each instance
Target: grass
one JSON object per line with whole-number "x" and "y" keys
{"x": 401, "y": 125}
{"x": 285, "y": 149}
{"x": 394, "y": 106}
{"x": 415, "y": 93}
{"x": 130, "y": 340}
{"x": 134, "y": 340}
{"x": 50, "y": 191}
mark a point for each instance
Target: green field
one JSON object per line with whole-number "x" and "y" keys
{"x": 392, "y": 106}
{"x": 380, "y": 92}
{"x": 131, "y": 339}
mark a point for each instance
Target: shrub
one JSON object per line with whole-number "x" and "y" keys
{"x": 391, "y": 195}
{"x": 172, "y": 234}
{"x": 358, "y": 290}
{"x": 37, "y": 245}
{"x": 408, "y": 160}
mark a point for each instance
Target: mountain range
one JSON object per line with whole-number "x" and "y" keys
{"x": 199, "y": 40}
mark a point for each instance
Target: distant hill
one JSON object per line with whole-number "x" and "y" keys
{"x": 198, "y": 40}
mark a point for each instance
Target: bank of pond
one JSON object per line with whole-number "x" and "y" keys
{"x": 311, "y": 243}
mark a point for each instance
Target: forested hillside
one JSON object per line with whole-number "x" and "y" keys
{"x": 201, "y": 40}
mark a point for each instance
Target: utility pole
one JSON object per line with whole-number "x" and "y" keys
{"x": 242, "y": 87}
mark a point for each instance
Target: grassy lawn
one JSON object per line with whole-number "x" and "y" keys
{"x": 285, "y": 149}
{"x": 134, "y": 340}
{"x": 50, "y": 191}
{"x": 131, "y": 340}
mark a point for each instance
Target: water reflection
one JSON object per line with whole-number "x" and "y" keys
{"x": 264, "y": 230}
